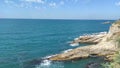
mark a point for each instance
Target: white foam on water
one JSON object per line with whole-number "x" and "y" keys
{"x": 49, "y": 56}
{"x": 44, "y": 64}
{"x": 67, "y": 50}
{"x": 76, "y": 39}
{"x": 49, "y": 64}
{"x": 74, "y": 44}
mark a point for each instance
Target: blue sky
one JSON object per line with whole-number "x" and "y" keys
{"x": 60, "y": 9}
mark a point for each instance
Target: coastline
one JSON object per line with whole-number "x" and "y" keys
{"x": 107, "y": 46}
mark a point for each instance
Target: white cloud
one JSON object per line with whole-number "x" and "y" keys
{"x": 62, "y": 2}
{"x": 53, "y": 4}
{"x": 34, "y": 1}
{"x": 8, "y": 1}
{"x": 44, "y": 3}
{"x": 24, "y": 3}
{"x": 118, "y": 3}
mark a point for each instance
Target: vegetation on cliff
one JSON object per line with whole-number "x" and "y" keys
{"x": 115, "y": 63}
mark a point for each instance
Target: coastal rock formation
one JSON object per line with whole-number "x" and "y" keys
{"x": 107, "y": 46}
{"x": 90, "y": 38}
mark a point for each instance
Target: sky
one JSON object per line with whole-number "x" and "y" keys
{"x": 60, "y": 9}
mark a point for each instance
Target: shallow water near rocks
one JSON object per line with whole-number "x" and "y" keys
{"x": 26, "y": 40}
{"x": 82, "y": 63}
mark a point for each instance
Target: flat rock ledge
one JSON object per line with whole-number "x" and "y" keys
{"x": 84, "y": 52}
{"x": 89, "y": 38}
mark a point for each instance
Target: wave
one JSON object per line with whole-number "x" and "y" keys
{"x": 44, "y": 64}
{"x": 74, "y": 44}
{"x": 67, "y": 50}
{"x": 50, "y": 64}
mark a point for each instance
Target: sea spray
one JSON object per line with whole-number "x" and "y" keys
{"x": 67, "y": 50}
{"x": 44, "y": 64}
{"x": 50, "y": 64}
{"x": 74, "y": 44}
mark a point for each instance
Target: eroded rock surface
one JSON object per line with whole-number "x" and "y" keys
{"x": 90, "y": 38}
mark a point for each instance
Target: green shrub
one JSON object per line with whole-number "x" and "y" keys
{"x": 115, "y": 63}
{"x": 118, "y": 42}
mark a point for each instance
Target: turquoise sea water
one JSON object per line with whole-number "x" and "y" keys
{"x": 23, "y": 42}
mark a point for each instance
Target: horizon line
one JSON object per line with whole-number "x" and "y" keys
{"x": 56, "y": 19}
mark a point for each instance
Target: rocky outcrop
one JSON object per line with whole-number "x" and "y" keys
{"x": 90, "y": 38}
{"x": 107, "y": 46}
{"x": 84, "y": 52}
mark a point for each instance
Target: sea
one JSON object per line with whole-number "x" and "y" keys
{"x": 25, "y": 43}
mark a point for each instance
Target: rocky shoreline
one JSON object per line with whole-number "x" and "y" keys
{"x": 105, "y": 46}
{"x": 89, "y": 38}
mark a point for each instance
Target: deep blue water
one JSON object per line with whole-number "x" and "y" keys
{"x": 26, "y": 40}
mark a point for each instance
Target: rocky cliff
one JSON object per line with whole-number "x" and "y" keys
{"x": 107, "y": 46}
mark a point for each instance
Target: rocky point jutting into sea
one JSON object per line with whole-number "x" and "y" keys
{"x": 89, "y": 38}
{"x": 106, "y": 45}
